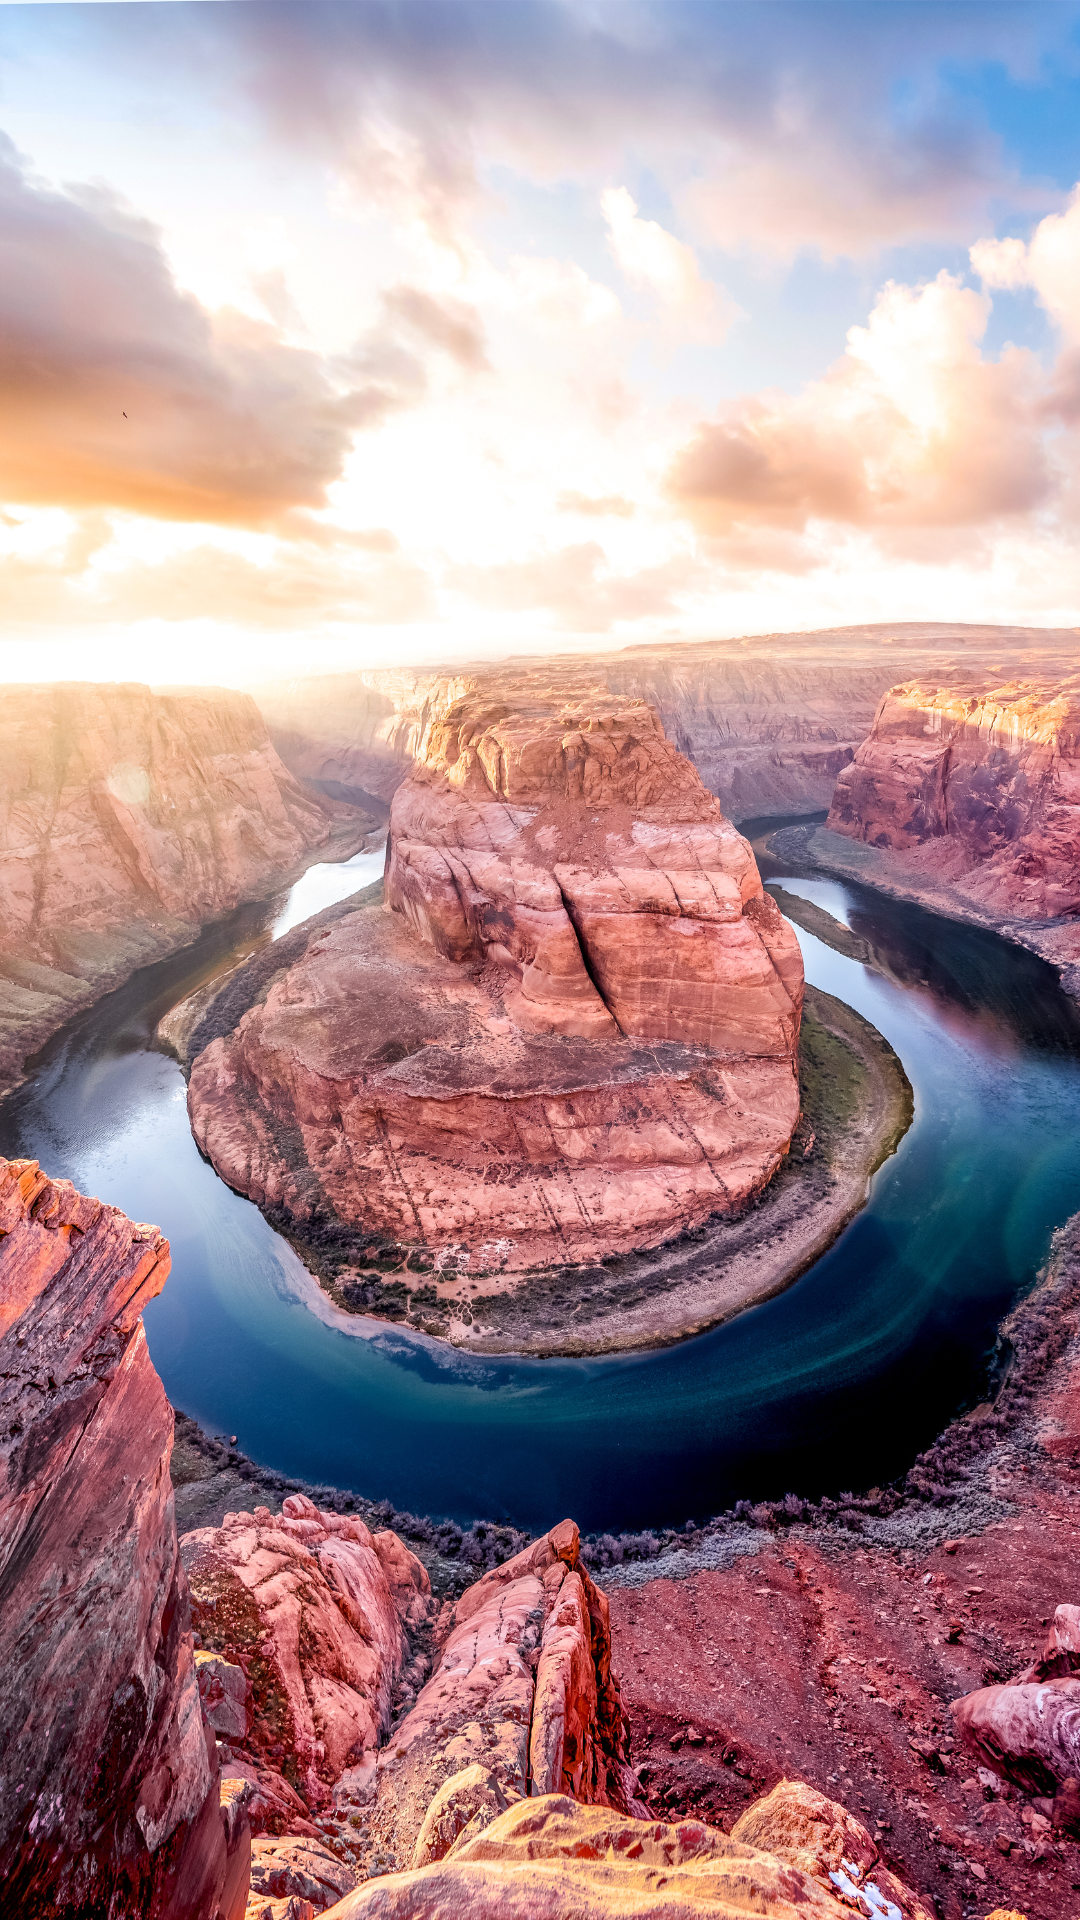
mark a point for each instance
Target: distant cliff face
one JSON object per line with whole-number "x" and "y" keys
{"x": 980, "y": 786}
{"x": 127, "y": 820}
{"x": 109, "y": 1788}
{"x": 765, "y": 739}
{"x": 574, "y": 1034}
{"x": 769, "y": 722}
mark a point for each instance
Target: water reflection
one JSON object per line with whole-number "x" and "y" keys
{"x": 841, "y": 1379}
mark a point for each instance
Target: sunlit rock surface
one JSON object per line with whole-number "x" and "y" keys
{"x": 574, "y": 1033}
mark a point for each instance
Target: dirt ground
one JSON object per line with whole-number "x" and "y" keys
{"x": 835, "y": 1661}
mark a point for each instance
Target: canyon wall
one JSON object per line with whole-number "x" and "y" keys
{"x": 574, "y": 1031}
{"x": 979, "y": 788}
{"x": 127, "y": 820}
{"x": 110, "y": 1796}
{"x": 769, "y": 721}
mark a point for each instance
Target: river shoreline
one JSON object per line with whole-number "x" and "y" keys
{"x": 820, "y": 850}
{"x": 36, "y": 1001}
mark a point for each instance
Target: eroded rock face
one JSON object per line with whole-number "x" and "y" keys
{"x": 553, "y": 1856}
{"x": 127, "y": 820}
{"x": 981, "y": 788}
{"x": 315, "y": 1612}
{"x": 109, "y": 1783}
{"x": 574, "y": 1033}
{"x": 522, "y": 1701}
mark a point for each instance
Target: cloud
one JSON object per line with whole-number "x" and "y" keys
{"x": 832, "y": 126}
{"x": 360, "y": 577}
{"x": 118, "y": 389}
{"x": 653, "y": 258}
{"x": 579, "y": 586}
{"x": 450, "y": 324}
{"x": 1049, "y": 263}
{"x": 911, "y": 428}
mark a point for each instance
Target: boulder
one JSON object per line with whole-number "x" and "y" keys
{"x": 293, "y": 1867}
{"x": 223, "y": 1690}
{"x": 1028, "y": 1732}
{"x": 110, "y": 1795}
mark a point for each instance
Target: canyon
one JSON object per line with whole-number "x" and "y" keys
{"x": 128, "y": 819}
{"x": 571, "y": 1032}
{"x": 770, "y": 721}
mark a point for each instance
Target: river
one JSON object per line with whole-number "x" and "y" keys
{"x": 836, "y": 1384}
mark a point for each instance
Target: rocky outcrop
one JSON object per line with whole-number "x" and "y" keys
{"x": 978, "y": 788}
{"x": 522, "y": 1701}
{"x": 127, "y": 820}
{"x": 573, "y": 1034}
{"x": 803, "y": 1858}
{"x": 110, "y": 1796}
{"x": 312, "y": 1615}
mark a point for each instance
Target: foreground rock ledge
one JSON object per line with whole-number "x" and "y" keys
{"x": 574, "y": 1033}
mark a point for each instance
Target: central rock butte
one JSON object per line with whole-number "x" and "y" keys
{"x": 572, "y": 1032}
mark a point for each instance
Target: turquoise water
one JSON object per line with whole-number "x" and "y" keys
{"x": 836, "y": 1384}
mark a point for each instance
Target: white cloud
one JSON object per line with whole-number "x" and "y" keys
{"x": 651, "y": 257}
{"x": 1049, "y": 263}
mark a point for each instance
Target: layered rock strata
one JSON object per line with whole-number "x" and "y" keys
{"x": 315, "y": 1615}
{"x": 110, "y": 1795}
{"x": 574, "y": 1032}
{"x": 980, "y": 788}
{"x": 127, "y": 820}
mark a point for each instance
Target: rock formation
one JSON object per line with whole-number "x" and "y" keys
{"x": 573, "y": 1033}
{"x": 127, "y": 820}
{"x": 801, "y": 1858}
{"x": 313, "y": 1613}
{"x": 979, "y": 788}
{"x": 769, "y": 721}
{"x": 110, "y": 1796}
{"x": 522, "y": 1700}
{"x": 1028, "y": 1732}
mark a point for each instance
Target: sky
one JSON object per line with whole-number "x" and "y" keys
{"x": 350, "y": 333}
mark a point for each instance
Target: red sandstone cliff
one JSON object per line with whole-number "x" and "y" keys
{"x": 575, "y": 1031}
{"x": 127, "y": 820}
{"x": 980, "y": 789}
{"x": 109, "y": 1788}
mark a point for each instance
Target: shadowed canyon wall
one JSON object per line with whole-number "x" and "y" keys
{"x": 127, "y": 820}
{"x": 109, "y": 1787}
{"x": 981, "y": 786}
